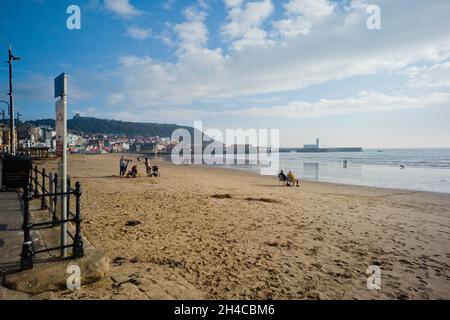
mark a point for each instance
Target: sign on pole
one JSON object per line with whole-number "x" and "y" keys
{"x": 60, "y": 126}
{"x": 61, "y": 150}
{"x": 61, "y": 85}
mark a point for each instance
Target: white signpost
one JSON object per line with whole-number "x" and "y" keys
{"x": 61, "y": 151}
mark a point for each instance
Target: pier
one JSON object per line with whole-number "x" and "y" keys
{"x": 349, "y": 149}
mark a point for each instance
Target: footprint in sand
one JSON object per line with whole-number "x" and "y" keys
{"x": 222, "y": 196}
{"x": 421, "y": 281}
{"x": 267, "y": 200}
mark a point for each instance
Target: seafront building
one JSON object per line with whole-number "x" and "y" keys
{"x": 40, "y": 140}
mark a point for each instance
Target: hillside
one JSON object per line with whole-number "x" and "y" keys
{"x": 91, "y": 125}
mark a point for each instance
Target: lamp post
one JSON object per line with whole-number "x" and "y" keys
{"x": 3, "y": 125}
{"x": 11, "y": 58}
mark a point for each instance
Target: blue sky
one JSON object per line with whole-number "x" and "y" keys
{"x": 308, "y": 67}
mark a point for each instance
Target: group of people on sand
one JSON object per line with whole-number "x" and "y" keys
{"x": 289, "y": 180}
{"x": 149, "y": 169}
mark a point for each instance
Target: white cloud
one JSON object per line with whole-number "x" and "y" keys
{"x": 193, "y": 33}
{"x": 123, "y": 8}
{"x": 301, "y": 16}
{"x": 203, "y": 4}
{"x": 139, "y": 33}
{"x": 168, "y": 4}
{"x": 433, "y": 76}
{"x": 244, "y": 25}
{"x": 336, "y": 50}
{"x": 310, "y": 9}
{"x": 366, "y": 101}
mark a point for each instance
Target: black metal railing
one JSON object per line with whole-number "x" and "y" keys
{"x": 44, "y": 187}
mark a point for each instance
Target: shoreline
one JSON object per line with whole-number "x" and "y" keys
{"x": 337, "y": 184}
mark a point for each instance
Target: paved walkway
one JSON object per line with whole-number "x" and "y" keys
{"x": 11, "y": 234}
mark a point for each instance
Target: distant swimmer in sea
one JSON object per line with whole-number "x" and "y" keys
{"x": 292, "y": 178}
{"x": 344, "y": 164}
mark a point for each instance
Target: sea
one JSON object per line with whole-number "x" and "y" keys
{"x": 409, "y": 169}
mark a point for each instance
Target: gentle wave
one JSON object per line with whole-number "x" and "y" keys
{"x": 423, "y": 169}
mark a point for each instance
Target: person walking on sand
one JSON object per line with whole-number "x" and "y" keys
{"x": 292, "y": 178}
{"x": 122, "y": 166}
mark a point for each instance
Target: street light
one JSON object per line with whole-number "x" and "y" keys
{"x": 11, "y": 58}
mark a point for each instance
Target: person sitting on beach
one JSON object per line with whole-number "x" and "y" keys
{"x": 282, "y": 177}
{"x": 133, "y": 172}
{"x": 292, "y": 178}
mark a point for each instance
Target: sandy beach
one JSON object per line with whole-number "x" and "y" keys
{"x": 213, "y": 233}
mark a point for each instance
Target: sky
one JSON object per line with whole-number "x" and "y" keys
{"x": 310, "y": 68}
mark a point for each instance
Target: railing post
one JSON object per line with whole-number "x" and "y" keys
{"x": 50, "y": 189}
{"x": 78, "y": 250}
{"x": 26, "y": 261}
{"x": 43, "y": 203}
{"x": 68, "y": 193}
{"x": 35, "y": 181}
{"x": 55, "y": 198}
{"x": 30, "y": 184}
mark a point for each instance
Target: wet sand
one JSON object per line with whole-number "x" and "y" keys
{"x": 224, "y": 234}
